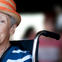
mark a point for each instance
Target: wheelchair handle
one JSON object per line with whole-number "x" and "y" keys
{"x": 36, "y": 42}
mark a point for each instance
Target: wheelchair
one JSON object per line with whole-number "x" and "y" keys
{"x": 33, "y": 45}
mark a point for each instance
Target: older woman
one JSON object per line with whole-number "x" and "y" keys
{"x": 9, "y": 20}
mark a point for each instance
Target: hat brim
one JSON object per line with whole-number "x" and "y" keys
{"x": 12, "y": 13}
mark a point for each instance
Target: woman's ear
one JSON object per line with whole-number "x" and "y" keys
{"x": 12, "y": 29}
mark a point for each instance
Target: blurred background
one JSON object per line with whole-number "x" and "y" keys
{"x": 38, "y": 15}
{"x": 41, "y": 15}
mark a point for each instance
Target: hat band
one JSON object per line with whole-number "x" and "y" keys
{"x": 3, "y": 9}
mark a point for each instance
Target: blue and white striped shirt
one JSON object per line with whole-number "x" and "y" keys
{"x": 15, "y": 54}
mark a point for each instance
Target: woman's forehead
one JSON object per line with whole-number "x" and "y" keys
{"x": 3, "y": 16}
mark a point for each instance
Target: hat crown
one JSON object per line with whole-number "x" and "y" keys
{"x": 10, "y": 4}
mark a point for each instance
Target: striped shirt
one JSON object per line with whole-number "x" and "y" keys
{"x": 15, "y": 54}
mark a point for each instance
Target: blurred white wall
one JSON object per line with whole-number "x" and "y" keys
{"x": 35, "y": 19}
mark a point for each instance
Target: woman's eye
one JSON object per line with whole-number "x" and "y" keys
{"x": 2, "y": 21}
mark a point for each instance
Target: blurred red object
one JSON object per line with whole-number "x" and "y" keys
{"x": 49, "y": 49}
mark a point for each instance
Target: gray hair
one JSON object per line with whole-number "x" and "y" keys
{"x": 12, "y": 20}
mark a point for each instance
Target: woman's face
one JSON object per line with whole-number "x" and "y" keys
{"x": 4, "y": 27}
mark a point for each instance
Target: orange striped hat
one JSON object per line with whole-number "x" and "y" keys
{"x": 9, "y": 7}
